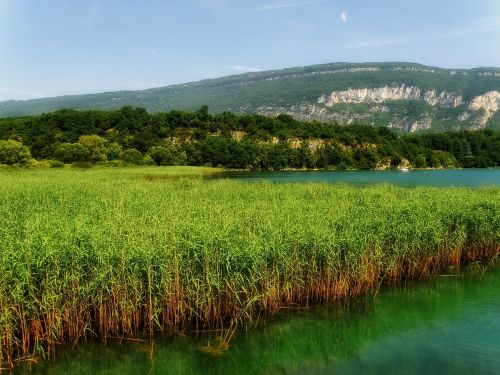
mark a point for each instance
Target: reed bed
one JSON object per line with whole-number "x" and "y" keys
{"x": 108, "y": 253}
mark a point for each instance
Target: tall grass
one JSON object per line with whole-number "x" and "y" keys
{"x": 129, "y": 252}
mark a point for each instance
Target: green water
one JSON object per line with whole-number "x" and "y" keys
{"x": 447, "y": 177}
{"x": 448, "y": 324}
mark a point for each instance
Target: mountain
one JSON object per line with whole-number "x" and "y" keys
{"x": 402, "y": 96}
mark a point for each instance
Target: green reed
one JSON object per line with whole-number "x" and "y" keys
{"x": 129, "y": 252}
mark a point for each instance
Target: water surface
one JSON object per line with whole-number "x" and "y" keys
{"x": 449, "y": 324}
{"x": 443, "y": 177}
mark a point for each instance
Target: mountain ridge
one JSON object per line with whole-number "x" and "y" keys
{"x": 301, "y": 92}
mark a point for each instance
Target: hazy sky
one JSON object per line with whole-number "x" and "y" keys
{"x": 56, "y": 47}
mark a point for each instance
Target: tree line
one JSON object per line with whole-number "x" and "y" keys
{"x": 134, "y": 136}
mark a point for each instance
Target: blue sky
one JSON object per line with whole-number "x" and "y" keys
{"x": 58, "y": 47}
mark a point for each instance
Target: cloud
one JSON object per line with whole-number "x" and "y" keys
{"x": 284, "y": 4}
{"x": 343, "y": 16}
{"x": 245, "y": 69}
{"x": 479, "y": 27}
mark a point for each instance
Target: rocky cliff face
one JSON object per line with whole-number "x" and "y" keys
{"x": 386, "y": 93}
{"x": 475, "y": 113}
{"x": 489, "y": 102}
{"x": 443, "y": 99}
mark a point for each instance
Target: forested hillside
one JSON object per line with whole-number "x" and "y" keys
{"x": 134, "y": 136}
{"x": 402, "y": 96}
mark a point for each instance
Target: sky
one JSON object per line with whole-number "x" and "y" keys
{"x": 60, "y": 47}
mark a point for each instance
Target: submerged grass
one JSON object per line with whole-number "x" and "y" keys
{"x": 126, "y": 252}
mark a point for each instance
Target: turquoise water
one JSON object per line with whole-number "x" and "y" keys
{"x": 449, "y": 324}
{"x": 447, "y": 177}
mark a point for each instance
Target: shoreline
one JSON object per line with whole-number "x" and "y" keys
{"x": 329, "y": 292}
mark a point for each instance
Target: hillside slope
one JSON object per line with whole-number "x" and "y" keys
{"x": 401, "y": 96}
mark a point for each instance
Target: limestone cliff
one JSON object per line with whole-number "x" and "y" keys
{"x": 475, "y": 113}
{"x": 490, "y": 102}
{"x": 386, "y": 93}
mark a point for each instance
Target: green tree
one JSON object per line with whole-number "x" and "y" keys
{"x": 203, "y": 112}
{"x": 421, "y": 161}
{"x": 161, "y": 155}
{"x": 113, "y": 151}
{"x": 181, "y": 158}
{"x": 95, "y": 145}
{"x": 71, "y": 152}
{"x": 365, "y": 158}
{"x": 132, "y": 156}
{"x": 13, "y": 152}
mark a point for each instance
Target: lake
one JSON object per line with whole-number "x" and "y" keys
{"x": 447, "y": 324}
{"x": 442, "y": 177}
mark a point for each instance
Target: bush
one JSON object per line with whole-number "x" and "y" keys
{"x": 14, "y": 153}
{"x": 46, "y": 164}
{"x": 148, "y": 160}
{"x": 71, "y": 153}
{"x": 181, "y": 158}
{"x": 81, "y": 164}
{"x": 96, "y": 147}
{"x": 116, "y": 163}
{"x": 42, "y": 164}
{"x": 56, "y": 164}
{"x": 161, "y": 155}
{"x": 132, "y": 156}
{"x": 113, "y": 151}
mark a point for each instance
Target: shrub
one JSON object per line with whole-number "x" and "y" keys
{"x": 81, "y": 164}
{"x": 132, "y": 156}
{"x": 56, "y": 164}
{"x": 116, "y": 163}
{"x": 161, "y": 155}
{"x": 14, "y": 153}
{"x": 148, "y": 160}
{"x": 181, "y": 158}
{"x": 113, "y": 151}
{"x": 42, "y": 164}
{"x": 95, "y": 145}
{"x": 71, "y": 153}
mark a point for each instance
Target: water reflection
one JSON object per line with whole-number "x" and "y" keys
{"x": 450, "y": 177}
{"x": 441, "y": 325}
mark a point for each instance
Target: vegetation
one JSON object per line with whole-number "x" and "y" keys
{"x": 125, "y": 252}
{"x": 13, "y": 153}
{"x": 246, "y": 93}
{"x": 135, "y": 136}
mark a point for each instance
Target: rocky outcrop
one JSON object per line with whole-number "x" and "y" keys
{"x": 387, "y": 93}
{"x": 372, "y": 95}
{"x": 464, "y": 116}
{"x": 308, "y": 112}
{"x": 424, "y": 122}
{"x": 489, "y": 102}
{"x": 475, "y": 115}
{"x": 443, "y": 99}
